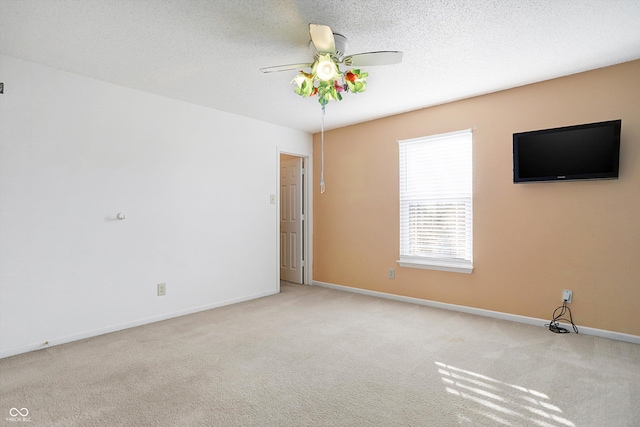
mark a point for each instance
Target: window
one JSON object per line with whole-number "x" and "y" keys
{"x": 436, "y": 211}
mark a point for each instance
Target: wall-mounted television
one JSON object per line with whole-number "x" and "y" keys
{"x": 587, "y": 151}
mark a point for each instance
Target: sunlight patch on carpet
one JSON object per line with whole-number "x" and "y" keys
{"x": 506, "y": 404}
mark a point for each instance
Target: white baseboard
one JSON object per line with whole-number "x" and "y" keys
{"x": 114, "y": 328}
{"x": 480, "y": 312}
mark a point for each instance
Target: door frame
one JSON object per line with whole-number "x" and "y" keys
{"x": 307, "y": 206}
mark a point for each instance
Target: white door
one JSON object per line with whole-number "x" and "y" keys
{"x": 291, "y": 218}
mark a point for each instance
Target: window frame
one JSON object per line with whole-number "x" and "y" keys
{"x": 436, "y": 261}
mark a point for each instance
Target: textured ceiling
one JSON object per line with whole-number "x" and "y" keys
{"x": 209, "y": 52}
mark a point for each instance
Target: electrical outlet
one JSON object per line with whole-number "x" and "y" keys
{"x": 162, "y": 289}
{"x": 392, "y": 273}
{"x": 567, "y": 296}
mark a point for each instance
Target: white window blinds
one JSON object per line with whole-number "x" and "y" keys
{"x": 436, "y": 212}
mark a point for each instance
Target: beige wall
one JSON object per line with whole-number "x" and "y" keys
{"x": 530, "y": 240}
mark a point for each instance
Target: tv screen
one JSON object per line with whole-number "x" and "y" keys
{"x": 588, "y": 151}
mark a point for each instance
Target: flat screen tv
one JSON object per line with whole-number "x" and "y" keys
{"x": 588, "y": 151}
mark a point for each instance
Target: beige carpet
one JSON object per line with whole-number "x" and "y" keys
{"x": 311, "y": 356}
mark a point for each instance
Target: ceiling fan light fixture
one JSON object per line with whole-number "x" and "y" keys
{"x": 325, "y": 68}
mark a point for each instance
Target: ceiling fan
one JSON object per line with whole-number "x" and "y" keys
{"x": 326, "y": 80}
{"x": 325, "y": 42}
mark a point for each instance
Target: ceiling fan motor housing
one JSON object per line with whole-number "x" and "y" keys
{"x": 341, "y": 47}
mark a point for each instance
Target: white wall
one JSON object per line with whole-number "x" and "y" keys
{"x": 194, "y": 184}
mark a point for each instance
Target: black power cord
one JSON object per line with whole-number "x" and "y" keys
{"x": 554, "y": 326}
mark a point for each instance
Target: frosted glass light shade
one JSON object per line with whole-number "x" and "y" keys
{"x": 326, "y": 69}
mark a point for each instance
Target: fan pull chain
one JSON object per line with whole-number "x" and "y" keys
{"x": 322, "y": 156}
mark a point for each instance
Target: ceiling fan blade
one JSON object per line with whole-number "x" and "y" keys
{"x": 373, "y": 58}
{"x": 322, "y": 38}
{"x": 284, "y": 68}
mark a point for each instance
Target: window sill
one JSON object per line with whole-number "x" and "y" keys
{"x": 455, "y": 267}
